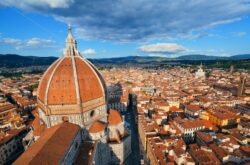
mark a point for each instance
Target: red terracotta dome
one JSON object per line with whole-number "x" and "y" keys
{"x": 71, "y": 80}
{"x": 114, "y": 117}
{"x": 67, "y": 78}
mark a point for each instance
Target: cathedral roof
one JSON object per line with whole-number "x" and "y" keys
{"x": 114, "y": 117}
{"x": 51, "y": 147}
{"x": 97, "y": 126}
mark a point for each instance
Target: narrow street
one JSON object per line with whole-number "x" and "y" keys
{"x": 134, "y": 158}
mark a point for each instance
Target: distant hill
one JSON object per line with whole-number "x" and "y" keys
{"x": 199, "y": 57}
{"x": 205, "y": 57}
{"x": 148, "y": 59}
{"x": 240, "y": 57}
{"x": 14, "y": 60}
{"x": 129, "y": 59}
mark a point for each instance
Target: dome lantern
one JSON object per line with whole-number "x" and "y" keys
{"x": 71, "y": 45}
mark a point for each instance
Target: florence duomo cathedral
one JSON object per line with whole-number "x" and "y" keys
{"x": 73, "y": 89}
{"x": 72, "y": 108}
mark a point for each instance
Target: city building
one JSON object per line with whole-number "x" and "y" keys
{"x": 200, "y": 73}
{"x": 192, "y": 110}
{"x": 221, "y": 116}
{"x": 188, "y": 128}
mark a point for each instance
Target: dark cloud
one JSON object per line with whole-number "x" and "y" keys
{"x": 127, "y": 20}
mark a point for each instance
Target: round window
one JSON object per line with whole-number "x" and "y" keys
{"x": 92, "y": 113}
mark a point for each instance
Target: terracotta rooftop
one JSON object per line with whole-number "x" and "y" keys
{"x": 175, "y": 109}
{"x": 193, "y": 108}
{"x": 51, "y": 147}
{"x": 188, "y": 124}
{"x": 223, "y": 113}
{"x": 219, "y": 152}
{"x": 38, "y": 128}
{"x": 179, "y": 152}
{"x": 245, "y": 149}
{"x": 97, "y": 126}
{"x": 204, "y": 136}
{"x": 159, "y": 148}
{"x": 203, "y": 156}
{"x": 114, "y": 117}
{"x": 208, "y": 124}
{"x": 7, "y": 107}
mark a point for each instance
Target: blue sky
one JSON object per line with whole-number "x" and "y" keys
{"x": 107, "y": 28}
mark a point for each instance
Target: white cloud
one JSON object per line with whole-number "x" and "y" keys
{"x": 29, "y": 4}
{"x": 13, "y": 41}
{"x": 221, "y": 22}
{"x": 165, "y": 48}
{"x": 29, "y": 43}
{"x": 239, "y": 34}
{"x": 38, "y": 42}
{"x": 88, "y": 51}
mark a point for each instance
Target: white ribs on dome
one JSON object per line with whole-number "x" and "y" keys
{"x": 66, "y": 90}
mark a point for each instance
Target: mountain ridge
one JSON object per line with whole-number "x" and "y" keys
{"x": 15, "y": 60}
